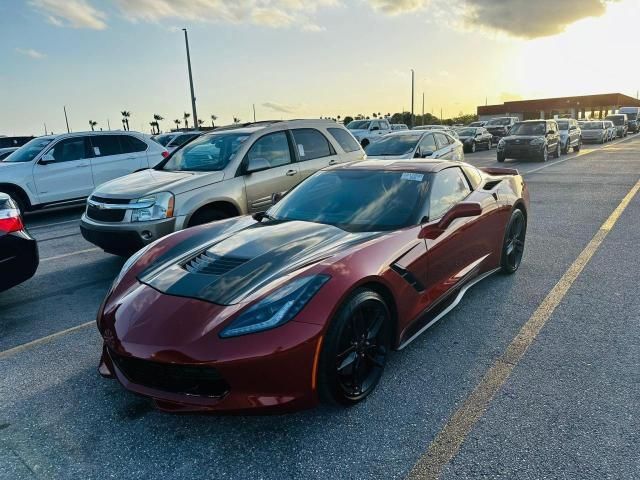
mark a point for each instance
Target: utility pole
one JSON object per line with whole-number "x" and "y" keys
{"x": 441, "y": 116}
{"x": 254, "y": 113}
{"x": 108, "y": 125}
{"x": 193, "y": 95}
{"x": 45, "y": 128}
{"x": 66, "y": 119}
{"x": 422, "y": 121}
{"x": 412, "y": 92}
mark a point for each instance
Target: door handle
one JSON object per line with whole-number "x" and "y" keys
{"x": 332, "y": 162}
{"x": 291, "y": 173}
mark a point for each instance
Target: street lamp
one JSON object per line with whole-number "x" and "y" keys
{"x": 412, "y": 92}
{"x": 193, "y": 95}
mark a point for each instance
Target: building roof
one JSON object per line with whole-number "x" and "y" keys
{"x": 558, "y": 103}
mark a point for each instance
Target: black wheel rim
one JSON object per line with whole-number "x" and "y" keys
{"x": 363, "y": 350}
{"x": 514, "y": 247}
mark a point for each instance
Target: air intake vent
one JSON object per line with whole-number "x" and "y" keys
{"x": 491, "y": 184}
{"x": 210, "y": 264}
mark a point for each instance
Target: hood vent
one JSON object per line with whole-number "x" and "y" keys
{"x": 209, "y": 264}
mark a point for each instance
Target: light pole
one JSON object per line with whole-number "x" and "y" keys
{"x": 412, "y": 92}
{"x": 193, "y": 95}
{"x": 422, "y": 121}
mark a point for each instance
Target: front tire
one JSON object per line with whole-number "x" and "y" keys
{"x": 578, "y": 146}
{"x": 513, "y": 244}
{"x": 207, "y": 216}
{"x": 501, "y": 157}
{"x": 355, "y": 349}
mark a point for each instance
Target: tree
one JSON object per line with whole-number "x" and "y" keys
{"x": 125, "y": 119}
{"x": 375, "y": 115}
{"x": 200, "y": 122}
{"x": 347, "y": 120}
{"x": 186, "y": 119}
{"x": 157, "y": 118}
{"x": 236, "y": 120}
{"x": 213, "y": 121}
{"x": 155, "y": 127}
{"x": 92, "y": 124}
{"x": 178, "y": 122}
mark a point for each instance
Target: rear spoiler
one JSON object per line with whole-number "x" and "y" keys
{"x": 500, "y": 171}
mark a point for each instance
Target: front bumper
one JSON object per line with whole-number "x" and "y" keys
{"x": 19, "y": 259}
{"x": 122, "y": 238}
{"x": 521, "y": 151}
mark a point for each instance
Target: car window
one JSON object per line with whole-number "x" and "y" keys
{"x": 4, "y": 155}
{"x": 428, "y": 144}
{"x": 131, "y": 144}
{"x": 385, "y": 125}
{"x": 70, "y": 149}
{"x": 311, "y": 144}
{"x": 105, "y": 145}
{"x": 274, "y": 148}
{"x": 441, "y": 140}
{"x": 473, "y": 175}
{"x": 182, "y": 139}
{"x": 344, "y": 139}
{"x": 208, "y": 153}
{"x": 449, "y": 188}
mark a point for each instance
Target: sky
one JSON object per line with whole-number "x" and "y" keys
{"x": 302, "y": 59}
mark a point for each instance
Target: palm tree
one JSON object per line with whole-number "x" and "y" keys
{"x": 155, "y": 127}
{"x": 177, "y": 121}
{"x": 125, "y": 119}
{"x": 200, "y": 122}
{"x": 157, "y": 118}
{"x": 338, "y": 117}
{"x": 236, "y": 120}
{"x": 186, "y": 119}
{"x": 92, "y": 124}
{"x": 375, "y": 115}
{"x": 213, "y": 120}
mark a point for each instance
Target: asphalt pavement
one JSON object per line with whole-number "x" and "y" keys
{"x": 569, "y": 409}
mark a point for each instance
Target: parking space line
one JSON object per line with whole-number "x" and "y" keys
{"x": 53, "y": 224}
{"x": 71, "y": 254}
{"x": 448, "y": 441}
{"x": 40, "y": 341}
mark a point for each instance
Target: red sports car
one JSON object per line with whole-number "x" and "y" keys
{"x": 279, "y": 310}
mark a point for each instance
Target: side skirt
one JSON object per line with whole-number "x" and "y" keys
{"x": 439, "y": 310}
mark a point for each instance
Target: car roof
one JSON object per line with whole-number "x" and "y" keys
{"x": 420, "y": 166}
{"x": 276, "y": 125}
{"x": 414, "y": 133}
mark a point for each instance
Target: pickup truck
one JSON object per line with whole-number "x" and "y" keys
{"x": 368, "y": 131}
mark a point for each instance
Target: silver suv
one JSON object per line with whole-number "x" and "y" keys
{"x": 228, "y": 172}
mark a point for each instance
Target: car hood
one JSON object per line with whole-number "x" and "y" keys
{"x": 245, "y": 257}
{"x": 522, "y": 138}
{"x": 150, "y": 181}
{"x": 392, "y": 157}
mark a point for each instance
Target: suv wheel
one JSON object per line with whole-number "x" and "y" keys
{"x": 207, "y": 216}
{"x": 578, "y": 146}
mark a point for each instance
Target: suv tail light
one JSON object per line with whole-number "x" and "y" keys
{"x": 165, "y": 154}
{"x": 10, "y": 221}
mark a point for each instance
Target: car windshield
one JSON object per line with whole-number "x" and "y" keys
{"x": 592, "y": 126}
{"x": 537, "y": 128}
{"x": 359, "y": 125}
{"x": 393, "y": 145}
{"x": 164, "y": 139}
{"x": 206, "y": 154}
{"x": 503, "y": 122}
{"x": 563, "y": 125}
{"x": 631, "y": 116}
{"x": 357, "y": 200}
{"x": 29, "y": 151}
{"x": 475, "y": 124}
{"x": 467, "y": 132}
{"x": 616, "y": 119}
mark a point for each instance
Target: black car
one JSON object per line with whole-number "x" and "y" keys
{"x": 499, "y": 127}
{"x": 11, "y": 142}
{"x": 474, "y": 137}
{"x": 18, "y": 251}
{"x": 534, "y": 139}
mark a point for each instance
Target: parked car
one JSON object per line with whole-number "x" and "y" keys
{"x": 398, "y": 126}
{"x": 570, "y": 134}
{"x": 499, "y": 127}
{"x": 367, "y": 131}
{"x": 445, "y": 128}
{"x": 474, "y": 137}
{"x": 59, "y": 169}
{"x": 18, "y": 250}
{"x": 14, "y": 142}
{"x": 621, "y": 122}
{"x": 5, "y": 152}
{"x": 535, "y": 139}
{"x": 633, "y": 117}
{"x": 172, "y": 141}
{"x": 612, "y": 131}
{"x": 479, "y": 123}
{"x": 596, "y": 131}
{"x": 303, "y": 304}
{"x": 221, "y": 174}
{"x": 416, "y": 144}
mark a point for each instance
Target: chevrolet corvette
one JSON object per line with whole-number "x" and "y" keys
{"x": 302, "y": 303}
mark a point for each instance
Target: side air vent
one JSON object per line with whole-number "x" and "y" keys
{"x": 210, "y": 264}
{"x": 490, "y": 185}
{"x": 408, "y": 277}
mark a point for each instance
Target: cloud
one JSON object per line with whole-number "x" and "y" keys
{"x": 279, "y": 107}
{"x": 30, "y": 52}
{"x": 71, "y": 13}
{"x": 397, "y": 7}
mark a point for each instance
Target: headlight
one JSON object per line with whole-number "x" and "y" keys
{"x": 537, "y": 141}
{"x": 502, "y": 142}
{"x": 153, "y": 207}
{"x": 277, "y": 308}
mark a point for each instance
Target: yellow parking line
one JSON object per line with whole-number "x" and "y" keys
{"x": 40, "y": 341}
{"x": 448, "y": 441}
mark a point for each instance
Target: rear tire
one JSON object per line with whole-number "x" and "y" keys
{"x": 513, "y": 244}
{"x": 364, "y": 143}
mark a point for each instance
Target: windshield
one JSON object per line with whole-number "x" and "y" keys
{"x": 359, "y": 125}
{"x": 164, "y": 139}
{"x": 206, "y": 154}
{"x": 537, "y": 128}
{"x": 503, "y": 122}
{"x": 563, "y": 125}
{"x": 631, "y": 115}
{"x": 467, "y": 132}
{"x": 616, "y": 119}
{"x": 357, "y": 200}
{"x": 592, "y": 126}
{"x": 393, "y": 145}
{"x": 476, "y": 124}
{"x": 29, "y": 151}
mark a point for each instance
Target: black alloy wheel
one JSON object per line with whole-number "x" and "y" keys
{"x": 355, "y": 349}
{"x": 514, "y": 239}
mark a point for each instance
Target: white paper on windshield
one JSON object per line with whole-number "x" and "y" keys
{"x": 301, "y": 149}
{"x": 414, "y": 177}
{"x": 96, "y": 151}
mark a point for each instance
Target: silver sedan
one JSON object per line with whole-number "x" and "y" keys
{"x": 428, "y": 144}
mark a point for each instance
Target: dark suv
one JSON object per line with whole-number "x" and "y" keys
{"x": 499, "y": 127}
{"x": 535, "y": 139}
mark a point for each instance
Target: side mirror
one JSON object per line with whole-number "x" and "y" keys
{"x": 426, "y": 153}
{"x": 418, "y": 154}
{"x": 373, "y": 129}
{"x": 276, "y": 197}
{"x": 47, "y": 158}
{"x": 257, "y": 165}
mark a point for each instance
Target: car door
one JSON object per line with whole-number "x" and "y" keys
{"x": 110, "y": 159}
{"x": 486, "y": 136}
{"x": 282, "y": 174}
{"x": 444, "y": 147}
{"x": 313, "y": 151}
{"x": 64, "y": 171}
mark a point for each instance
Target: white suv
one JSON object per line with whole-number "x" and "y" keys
{"x": 59, "y": 169}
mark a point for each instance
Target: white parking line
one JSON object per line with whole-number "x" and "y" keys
{"x": 65, "y": 255}
{"x": 53, "y": 224}
{"x": 39, "y": 341}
